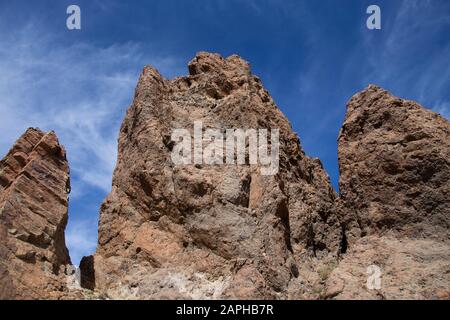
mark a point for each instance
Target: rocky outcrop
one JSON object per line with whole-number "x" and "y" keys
{"x": 227, "y": 231}
{"x": 394, "y": 166}
{"x": 34, "y": 187}
{"x": 394, "y": 199}
{"x": 209, "y": 231}
{"x": 218, "y": 229}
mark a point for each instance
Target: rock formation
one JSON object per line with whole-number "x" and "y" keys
{"x": 221, "y": 231}
{"x": 395, "y": 198}
{"x": 208, "y": 231}
{"x": 394, "y": 166}
{"x": 34, "y": 186}
{"x": 197, "y": 230}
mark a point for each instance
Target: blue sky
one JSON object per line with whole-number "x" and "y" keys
{"x": 311, "y": 55}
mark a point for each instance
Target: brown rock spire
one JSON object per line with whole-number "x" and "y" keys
{"x": 198, "y": 230}
{"x": 208, "y": 231}
{"x": 395, "y": 196}
{"x": 34, "y": 186}
{"x": 394, "y": 166}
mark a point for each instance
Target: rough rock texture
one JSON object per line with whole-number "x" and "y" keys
{"x": 394, "y": 199}
{"x": 34, "y": 186}
{"x": 229, "y": 231}
{"x": 209, "y": 231}
{"x": 409, "y": 269}
{"x": 394, "y": 166}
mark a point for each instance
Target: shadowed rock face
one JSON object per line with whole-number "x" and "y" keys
{"x": 208, "y": 231}
{"x": 34, "y": 186}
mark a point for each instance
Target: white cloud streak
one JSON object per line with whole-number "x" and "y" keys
{"x": 409, "y": 57}
{"x": 81, "y": 91}
{"x": 81, "y": 238}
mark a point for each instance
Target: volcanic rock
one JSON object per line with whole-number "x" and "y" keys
{"x": 394, "y": 199}
{"x": 34, "y": 187}
{"x": 235, "y": 231}
{"x": 394, "y": 166}
{"x": 209, "y": 231}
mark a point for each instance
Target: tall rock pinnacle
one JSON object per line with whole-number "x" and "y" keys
{"x": 209, "y": 231}
{"x": 395, "y": 195}
{"x": 34, "y": 186}
{"x": 394, "y": 166}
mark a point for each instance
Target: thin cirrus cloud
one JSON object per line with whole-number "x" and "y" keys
{"x": 414, "y": 30}
{"x": 81, "y": 237}
{"x": 81, "y": 91}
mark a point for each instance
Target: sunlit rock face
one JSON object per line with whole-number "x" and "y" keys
{"x": 394, "y": 166}
{"x": 228, "y": 230}
{"x": 34, "y": 187}
{"x": 395, "y": 199}
{"x": 209, "y": 231}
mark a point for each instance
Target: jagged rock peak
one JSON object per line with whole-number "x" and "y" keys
{"x": 213, "y": 63}
{"x": 209, "y": 231}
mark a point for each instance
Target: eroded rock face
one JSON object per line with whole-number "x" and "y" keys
{"x": 395, "y": 200}
{"x": 209, "y": 231}
{"x": 407, "y": 269}
{"x": 34, "y": 186}
{"x": 394, "y": 166}
{"x": 229, "y": 231}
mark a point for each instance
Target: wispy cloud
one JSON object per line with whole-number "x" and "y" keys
{"x": 443, "y": 108}
{"x": 410, "y": 57}
{"x": 81, "y": 91}
{"x": 81, "y": 238}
